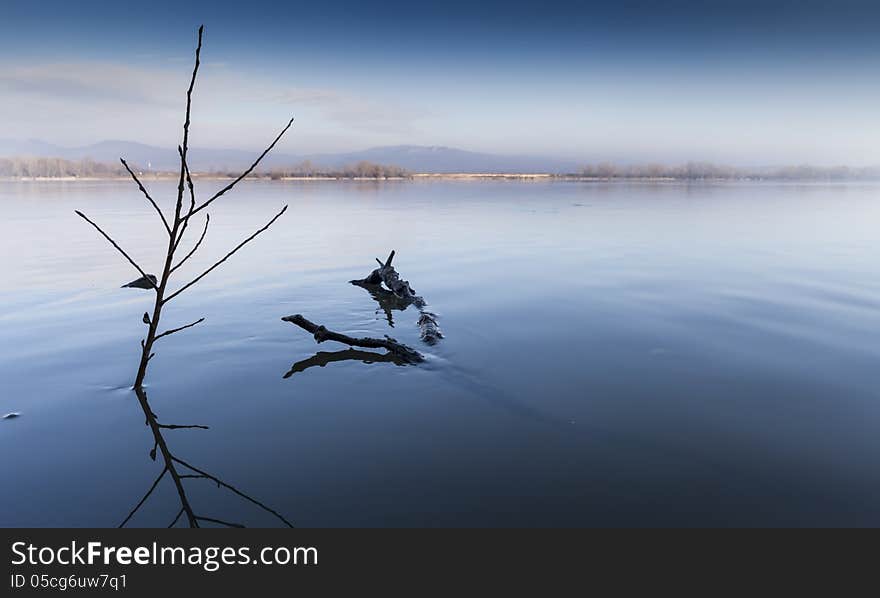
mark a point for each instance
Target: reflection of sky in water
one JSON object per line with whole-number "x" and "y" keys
{"x": 614, "y": 354}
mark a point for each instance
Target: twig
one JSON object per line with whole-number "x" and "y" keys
{"x": 227, "y": 256}
{"x": 193, "y": 250}
{"x": 177, "y": 427}
{"x": 246, "y": 172}
{"x": 146, "y": 194}
{"x": 192, "y": 199}
{"x": 118, "y": 248}
{"x": 146, "y": 496}
{"x": 192, "y": 83}
{"x": 173, "y": 330}
{"x": 185, "y": 145}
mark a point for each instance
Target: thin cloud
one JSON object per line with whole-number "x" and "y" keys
{"x": 106, "y": 82}
{"x": 352, "y": 110}
{"x": 86, "y": 101}
{"x": 308, "y": 96}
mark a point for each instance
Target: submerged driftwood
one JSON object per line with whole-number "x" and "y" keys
{"x": 386, "y": 274}
{"x": 398, "y": 294}
{"x": 430, "y": 330}
{"x": 322, "y": 334}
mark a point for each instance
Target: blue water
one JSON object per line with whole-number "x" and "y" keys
{"x": 614, "y": 354}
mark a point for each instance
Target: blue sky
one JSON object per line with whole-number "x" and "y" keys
{"x": 737, "y": 82}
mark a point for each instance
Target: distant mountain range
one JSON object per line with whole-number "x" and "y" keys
{"x": 415, "y": 158}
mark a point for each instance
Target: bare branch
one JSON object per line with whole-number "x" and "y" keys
{"x": 146, "y": 194}
{"x": 146, "y": 496}
{"x": 193, "y": 250}
{"x": 118, "y": 248}
{"x": 233, "y": 489}
{"x": 189, "y": 91}
{"x": 239, "y": 246}
{"x": 184, "y": 147}
{"x": 246, "y": 172}
{"x": 321, "y": 334}
{"x": 177, "y": 427}
{"x": 192, "y": 199}
{"x": 173, "y": 330}
{"x": 219, "y": 521}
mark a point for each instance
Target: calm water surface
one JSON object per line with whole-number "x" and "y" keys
{"x": 615, "y": 355}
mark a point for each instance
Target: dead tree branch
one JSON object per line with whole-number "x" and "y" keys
{"x": 185, "y": 145}
{"x": 146, "y": 194}
{"x": 199, "y": 242}
{"x": 173, "y": 330}
{"x": 225, "y": 257}
{"x": 246, "y": 172}
{"x": 118, "y": 248}
{"x": 192, "y": 199}
{"x": 321, "y": 334}
{"x": 386, "y": 274}
{"x": 399, "y": 290}
{"x": 178, "y": 427}
{"x": 176, "y": 229}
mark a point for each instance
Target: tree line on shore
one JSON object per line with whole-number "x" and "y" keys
{"x": 360, "y": 170}
{"x": 38, "y": 167}
{"x": 42, "y": 167}
{"x": 27, "y": 167}
{"x": 710, "y": 171}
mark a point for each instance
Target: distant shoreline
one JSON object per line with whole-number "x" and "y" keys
{"x": 459, "y": 176}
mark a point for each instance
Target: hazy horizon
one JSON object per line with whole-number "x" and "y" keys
{"x": 742, "y": 83}
{"x": 779, "y": 162}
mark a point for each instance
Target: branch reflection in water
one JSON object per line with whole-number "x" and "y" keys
{"x": 322, "y": 358}
{"x": 179, "y": 471}
{"x": 387, "y": 300}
